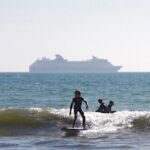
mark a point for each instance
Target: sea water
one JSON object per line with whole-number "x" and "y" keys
{"x": 34, "y": 108}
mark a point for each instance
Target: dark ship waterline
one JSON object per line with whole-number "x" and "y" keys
{"x": 61, "y": 65}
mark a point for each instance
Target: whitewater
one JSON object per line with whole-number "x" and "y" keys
{"x": 33, "y": 119}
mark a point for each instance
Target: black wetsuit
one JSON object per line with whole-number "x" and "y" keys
{"x": 109, "y": 108}
{"x": 77, "y": 101}
{"x": 102, "y": 108}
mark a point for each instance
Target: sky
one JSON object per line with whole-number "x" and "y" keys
{"x": 117, "y": 30}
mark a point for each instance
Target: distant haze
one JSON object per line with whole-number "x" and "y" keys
{"x": 117, "y": 30}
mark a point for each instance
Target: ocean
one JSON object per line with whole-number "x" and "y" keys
{"x": 34, "y": 108}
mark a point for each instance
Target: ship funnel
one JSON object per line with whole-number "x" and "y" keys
{"x": 94, "y": 58}
{"x": 59, "y": 57}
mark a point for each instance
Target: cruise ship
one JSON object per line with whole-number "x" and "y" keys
{"x": 61, "y": 65}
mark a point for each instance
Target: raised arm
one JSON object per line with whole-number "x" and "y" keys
{"x": 87, "y": 107}
{"x": 71, "y": 105}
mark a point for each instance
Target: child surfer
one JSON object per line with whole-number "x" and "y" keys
{"x": 77, "y": 103}
{"x": 109, "y": 107}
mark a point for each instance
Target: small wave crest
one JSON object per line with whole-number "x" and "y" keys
{"x": 32, "y": 117}
{"x": 47, "y": 121}
{"x": 30, "y": 121}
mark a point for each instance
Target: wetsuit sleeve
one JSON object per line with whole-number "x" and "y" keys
{"x": 85, "y": 103}
{"x": 71, "y": 105}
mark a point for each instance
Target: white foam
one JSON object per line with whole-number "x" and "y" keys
{"x": 107, "y": 123}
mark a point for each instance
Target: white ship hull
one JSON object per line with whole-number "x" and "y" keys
{"x": 63, "y": 66}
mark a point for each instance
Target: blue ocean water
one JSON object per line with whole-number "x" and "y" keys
{"x": 34, "y": 107}
{"x": 130, "y": 91}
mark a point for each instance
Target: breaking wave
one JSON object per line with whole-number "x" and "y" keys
{"x": 38, "y": 121}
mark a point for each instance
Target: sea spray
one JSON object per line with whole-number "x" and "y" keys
{"x": 108, "y": 123}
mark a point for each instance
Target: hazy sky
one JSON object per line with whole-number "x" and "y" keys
{"x": 118, "y": 30}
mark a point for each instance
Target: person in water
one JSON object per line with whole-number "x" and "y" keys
{"x": 77, "y": 103}
{"x": 102, "y": 108}
{"x": 109, "y": 107}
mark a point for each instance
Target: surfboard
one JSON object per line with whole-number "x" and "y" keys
{"x": 72, "y": 131}
{"x": 107, "y": 112}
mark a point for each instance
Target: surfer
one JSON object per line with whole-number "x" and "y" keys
{"x": 109, "y": 107}
{"x": 102, "y": 108}
{"x": 77, "y": 102}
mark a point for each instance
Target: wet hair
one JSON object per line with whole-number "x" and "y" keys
{"x": 77, "y": 92}
{"x": 100, "y": 100}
